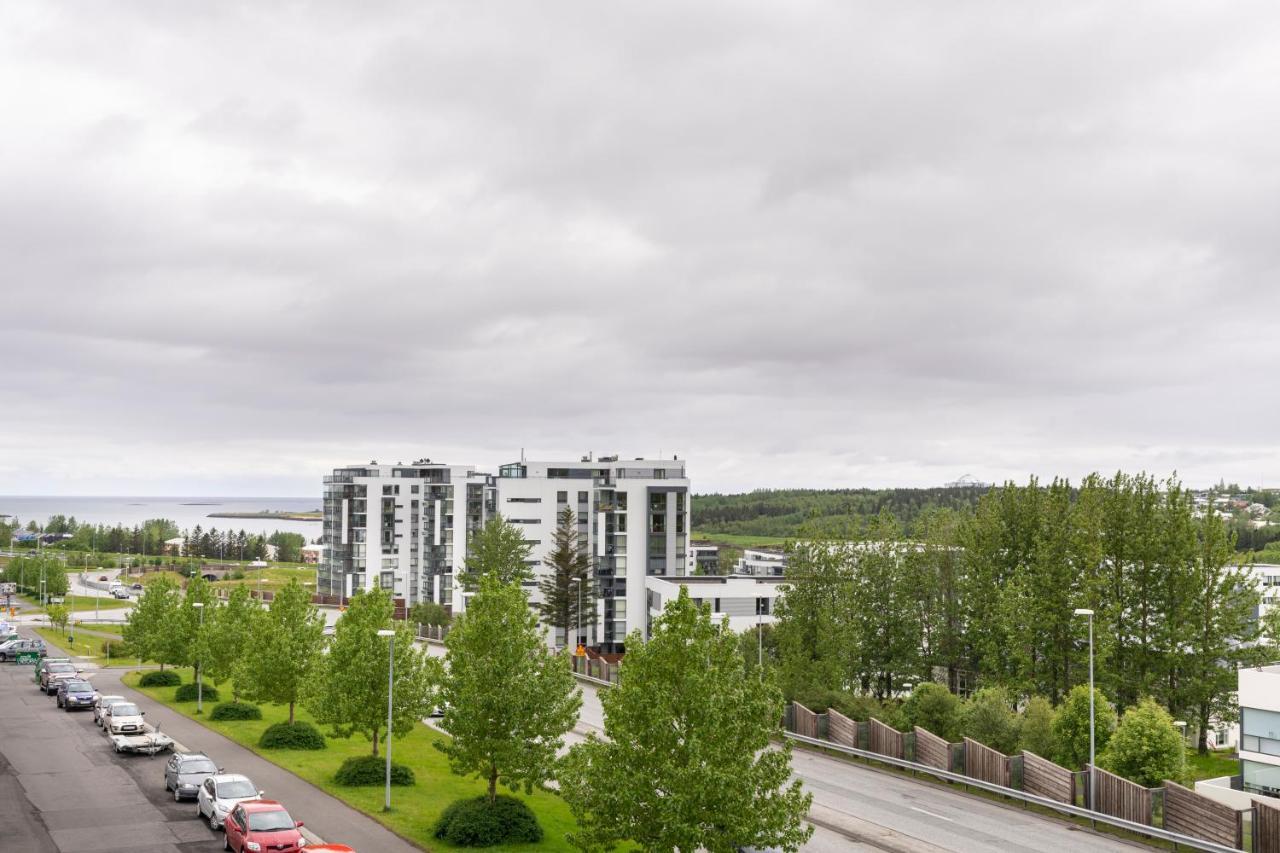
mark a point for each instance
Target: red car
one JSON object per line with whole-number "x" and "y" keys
{"x": 261, "y": 826}
{"x": 331, "y": 848}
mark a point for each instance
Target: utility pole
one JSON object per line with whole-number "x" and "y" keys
{"x": 1084, "y": 611}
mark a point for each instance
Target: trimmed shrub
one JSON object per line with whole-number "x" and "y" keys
{"x": 116, "y": 649}
{"x": 371, "y": 770}
{"x": 297, "y": 736}
{"x": 188, "y": 693}
{"x": 160, "y": 678}
{"x": 236, "y": 711}
{"x": 479, "y": 823}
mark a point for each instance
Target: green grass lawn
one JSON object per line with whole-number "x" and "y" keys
{"x": 85, "y": 646}
{"x": 737, "y": 539}
{"x": 414, "y": 809}
{"x": 1213, "y": 765}
{"x": 273, "y": 578}
{"x": 83, "y": 602}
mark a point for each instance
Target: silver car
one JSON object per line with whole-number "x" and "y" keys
{"x": 186, "y": 772}
{"x": 220, "y": 793}
{"x": 100, "y": 704}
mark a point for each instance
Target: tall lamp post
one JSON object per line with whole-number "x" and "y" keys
{"x": 578, "y": 636}
{"x": 391, "y": 676}
{"x": 1084, "y": 611}
{"x": 199, "y": 606}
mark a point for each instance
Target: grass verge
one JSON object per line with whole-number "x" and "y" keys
{"x": 85, "y": 647}
{"x": 414, "y": 810}
{"x": 1215, "y": 764}
{"x": 81, "y": 602}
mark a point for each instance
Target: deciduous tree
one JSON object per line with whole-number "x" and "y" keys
{"x": 688, "y": 763}
{"x": 229, "y": 635}
{"x": 498, "y": 549}
{"x": 1146, "y": 748}
{"x": 284, "y": 649}
{"x": 1071, "y": 726}
{"x": 149, "y": 623}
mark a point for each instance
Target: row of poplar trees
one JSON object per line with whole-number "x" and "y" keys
{"x": 988, "y": 597}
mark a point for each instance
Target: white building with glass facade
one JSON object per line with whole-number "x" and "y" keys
{"x": 1260, "y": 729}
{"x": 405, "y": 528}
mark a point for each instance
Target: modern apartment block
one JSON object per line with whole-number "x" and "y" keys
{"x": 1260, "y": 729}
{"x": 762, "y": 563}
{"x": 405, "y": 528}
{"x": 401, "y": 528}
{"x": 633, "y": 517}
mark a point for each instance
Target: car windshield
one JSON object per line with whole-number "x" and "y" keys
{"x": 270, "y": 821}
{"x": 198, "y": 767}
{"x": 237, "y": 790}
{"x": 61, "y": 667}
{"x": 123, "y": 709}
{"x": 110, "y": 700}
{"x": 78, "y": 687}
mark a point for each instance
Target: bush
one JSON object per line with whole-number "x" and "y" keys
{"x": 296, "y": 736}
{"x": 116, "y": 649}
{"x": 1036, "y": 733}
{"x": 1071, "y": 726}
{"x": 988, "y": 718}
{"x": 188, "y": 693}
{"x": 236, "y": 711}
{"x": 371, "y": 770}
{"x": 934, "y": 708}
{"x": 479, "y": 823}
{"x": 1146, "y": 748}
{"x": 160, "y": 678}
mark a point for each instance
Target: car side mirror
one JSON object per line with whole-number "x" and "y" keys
{"x": 142, "y": 713}
{"x": 261, "y": 793}
{"x": 298, "y": 824}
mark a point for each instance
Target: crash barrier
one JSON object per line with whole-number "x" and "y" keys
{"x": 1172, "y": 813}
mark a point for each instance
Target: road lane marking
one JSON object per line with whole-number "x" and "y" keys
{"x": 931, "y": 814}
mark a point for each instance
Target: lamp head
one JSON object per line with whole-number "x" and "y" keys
{"x": 1083, "y": 611}
{"x": 386, "y": 632}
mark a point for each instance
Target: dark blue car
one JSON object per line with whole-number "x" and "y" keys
{"x": 75, "y": 693}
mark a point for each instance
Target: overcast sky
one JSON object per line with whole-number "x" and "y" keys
{"x": 798, "y": 243}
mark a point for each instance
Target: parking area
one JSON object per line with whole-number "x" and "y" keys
{"x": 63, "y": 789}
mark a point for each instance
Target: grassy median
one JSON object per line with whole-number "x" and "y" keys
{"x": 414, "y": 809}
{"x": 86, "y": 647}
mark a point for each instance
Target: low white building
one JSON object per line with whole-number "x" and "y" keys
{"x": 1260, "y": 729}
{"x": 762, "y": 563}
{"x": 704, "y": 559}
{"x": 745, "y": 601}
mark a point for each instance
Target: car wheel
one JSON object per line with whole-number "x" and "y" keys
{"x": 213, "y": 822}
{"x": 177, "y": 797}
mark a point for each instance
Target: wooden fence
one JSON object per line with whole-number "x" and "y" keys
{"x": 804, "y": 721}
{"x": 1196, "y": 815}
{"x": 983, "y": 762}
{"x": 932, "y": 750}
{"x": 1043, "y": 778}
{"x": 841, "y": 729}
{"x": 1266, "y": 826}
{"x": 885, "y": 740}
{"x": 1121, "y": 798}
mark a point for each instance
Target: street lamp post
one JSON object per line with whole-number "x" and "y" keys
{"x": 199, "y": 606}
{"x": 391, "y": 677}
{"x": 759, "y": 640}
{"x": 1084, "y": 611}
{"x": 577, "y": 637}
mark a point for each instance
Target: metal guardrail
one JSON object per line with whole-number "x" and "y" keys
{"x": 1062, "y": 808}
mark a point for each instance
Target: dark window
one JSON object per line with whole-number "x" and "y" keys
{"x": 562, "y": 497}
{"x": 583, "y": 497}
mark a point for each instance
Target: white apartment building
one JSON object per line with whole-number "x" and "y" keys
{"x": 762, "y": 562}
{"x": 745, "y": 602}
{"x": 704, "y": 559}
{"x": 405, "y": 528}
{"x": 401, "y": 528}
{"x": 1260, "y": 729}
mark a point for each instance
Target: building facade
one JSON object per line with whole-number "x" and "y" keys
{"x": 762, "y": 563}
{"x": 402, "y": 528}
{"x": 1260, "y": 729}
{"x": 405, "y": 528}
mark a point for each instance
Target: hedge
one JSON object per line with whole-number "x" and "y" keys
{"x": 160, "y": 678}
{"x": 297, "y": 736}
{"x": 479, "y": 823}
{"x": 371, "y": 770}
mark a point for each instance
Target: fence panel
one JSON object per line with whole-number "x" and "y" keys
{"x": 804, "y": 721}
{"x": 932, "y": 750}
{"x": 1194, "y": 814}
{"x": 1121, "y": 798}
{"x": 885, "y": 740}
{"x": 1266, "y": 827}
{"x": 1042, "y": 777}
{"x": 983, "y": 762}
{"x": 841, "y": 729}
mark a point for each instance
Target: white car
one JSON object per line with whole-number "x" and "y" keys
{"x": 100, "y": 704}
{"x": 123, "y": 718}
{"x": 220, "y": 793}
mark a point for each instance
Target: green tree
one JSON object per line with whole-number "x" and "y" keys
{"x": 497, "y": 549}
{"x": 1035, "y": 734}
{"x": 569, "y": 581}
{"x": 988, "y": 718}
{"x": 429, "y": 613}
{"x": 934, "y": 708}
{"x": 815, "y": 645}
{"x": 1146, "y": 748}
{"x": 149, "y": 623}
{"x": 58, "y": 615}
{"x": 288, "y": 545}
{"x": 688, "y": 762}
{"x": 229, "y": 634}
{"x": 509, "y": 699}
{"x": 349, "y": 693}
{"x": 284, "y": 649}
{"x": 1071, "y": 726}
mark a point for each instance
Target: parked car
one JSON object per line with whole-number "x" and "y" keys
{"x": 122, "y": 718}
{"x": 75, "y": 693}
{"x": 185, "y": 772}
{"x": 100, "y": 704}
{"x": 330, "y": 848}
{"x": 136, "y": 586}
{"x": 221, "y": 793}
{"x": 10, "y": 649}
{"x": 103, "y": 577}
{"x": 51, "y": 671}
{"x": 262, "y": 825}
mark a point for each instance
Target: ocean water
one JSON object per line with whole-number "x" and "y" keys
{"x": 187, "y": 512}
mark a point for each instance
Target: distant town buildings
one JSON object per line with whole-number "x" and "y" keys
{"x": 762, "y": 563}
